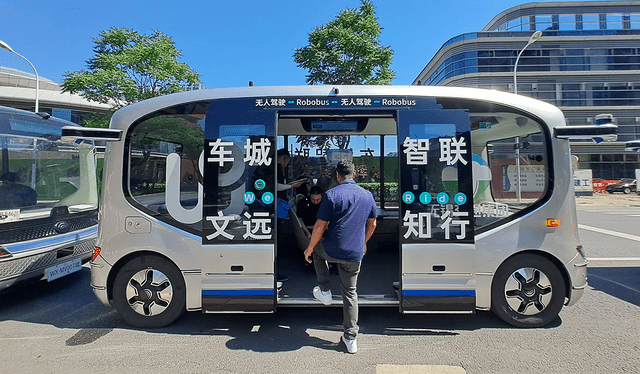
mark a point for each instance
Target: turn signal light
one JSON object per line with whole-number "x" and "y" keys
{"x": 552, "y": 222}
{"x": 95, "y": 254}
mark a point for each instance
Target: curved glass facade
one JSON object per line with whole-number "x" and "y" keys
{"x": 588, "y": 21}
{"x": 542, "y": 58}
{"x": 587, "y": 62}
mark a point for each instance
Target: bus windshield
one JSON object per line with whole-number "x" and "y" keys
{"x": 40, "y": 172}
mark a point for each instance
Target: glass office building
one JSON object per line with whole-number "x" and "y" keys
{"x": 587, "y": 62}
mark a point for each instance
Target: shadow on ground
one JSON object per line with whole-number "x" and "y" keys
{"x": 620, "y": 282}
{"x": 69, "y": 303}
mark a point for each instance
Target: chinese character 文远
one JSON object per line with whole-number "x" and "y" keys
{"x": 258, "y": 152}
{"x": 416, "y": 150}
{"x": 220, "y": 223}
{"x": 451, "y": 150}
{"x": 259, "y": 222}
{"x": 219, "y": 152}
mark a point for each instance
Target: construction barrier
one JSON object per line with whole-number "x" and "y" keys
{"x": 601, "y": 185}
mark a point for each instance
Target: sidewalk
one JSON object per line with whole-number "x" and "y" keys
{"x": 606, "y": 199}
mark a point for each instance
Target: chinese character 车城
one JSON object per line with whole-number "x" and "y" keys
{"x": 258, "y": 152}
{"x": 220, "y": 152}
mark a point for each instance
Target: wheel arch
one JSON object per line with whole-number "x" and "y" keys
{"x": 122, "y": 261}
{"x": 554, "y": 260}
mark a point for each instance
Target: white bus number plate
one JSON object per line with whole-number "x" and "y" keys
{"x": 63, "y": 269}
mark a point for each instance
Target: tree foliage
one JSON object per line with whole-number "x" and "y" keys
{"x": 129, "y": 67}
{"x": 347, "y": 50}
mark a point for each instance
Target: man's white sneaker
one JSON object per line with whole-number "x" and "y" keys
{"x": 324, "y": 297}
{"x": 352, "y": 345}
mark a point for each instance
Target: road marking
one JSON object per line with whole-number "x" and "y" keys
{"x": 609, "y": 232}
{"x": 419, "y": 369}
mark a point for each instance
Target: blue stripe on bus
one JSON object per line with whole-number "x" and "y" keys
{"x": 269, "y": 292}
{"x": 439, "y": 292}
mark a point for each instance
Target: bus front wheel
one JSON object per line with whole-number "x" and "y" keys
{"x": 149, "y": 292}
{"x": 527, "y": 291}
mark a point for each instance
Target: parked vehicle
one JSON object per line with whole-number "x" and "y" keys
{"x": 48, "y": 198}
{"x": 625, "y": 186}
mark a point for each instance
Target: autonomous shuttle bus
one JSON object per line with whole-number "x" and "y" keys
{"x": 476, "y": 207}
{"x": 48, "y": 198}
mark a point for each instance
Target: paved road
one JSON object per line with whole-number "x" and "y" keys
{"x": 59, "y": 327}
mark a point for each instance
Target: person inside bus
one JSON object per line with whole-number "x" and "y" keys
{"x": 283, "y": 187}
{"x": 283, "y": 184}
{"x": 14, "y": 194}
{"x": 348, "y": 214}
{"x": 307, "y": 208}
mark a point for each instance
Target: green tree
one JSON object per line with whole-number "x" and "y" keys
{"x": 347, "y": 50}
{"x": 129, "y": 67}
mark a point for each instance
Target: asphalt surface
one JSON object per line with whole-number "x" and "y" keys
{"x": 60, "y": 327}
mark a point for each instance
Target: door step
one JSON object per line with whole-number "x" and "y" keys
{"x": 363, "y": 300}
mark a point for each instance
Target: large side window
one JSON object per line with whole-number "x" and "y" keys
{"x": 510, "y": 164}
{"x": 315, "y": 158}
{"x": 164, "y": 153}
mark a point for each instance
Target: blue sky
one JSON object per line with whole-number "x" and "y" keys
{"x": 230, "y": 42}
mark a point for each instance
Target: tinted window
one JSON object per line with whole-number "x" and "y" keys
{"x": 169, "y": 140}
{"x": 510, "y": 165}
{"x": 507, "y": 147}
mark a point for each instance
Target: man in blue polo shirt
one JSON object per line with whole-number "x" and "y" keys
{"x": 348, "y": 214}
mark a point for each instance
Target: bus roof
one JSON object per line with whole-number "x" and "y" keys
{"x": 124, "y": 117}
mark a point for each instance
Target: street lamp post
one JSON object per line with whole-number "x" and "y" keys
{"x": 5, "y": 46}
{"x": 536, "y": 35}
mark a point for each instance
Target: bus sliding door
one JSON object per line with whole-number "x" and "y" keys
{"x": 239, "y": 208}
{"x": 436, "y": 211}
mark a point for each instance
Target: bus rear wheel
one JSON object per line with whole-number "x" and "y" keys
{"x": 527, "y": 291}
{"x": 149, "y": 292}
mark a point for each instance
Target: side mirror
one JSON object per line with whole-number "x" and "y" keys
{"x": 72, "y": 133}
{"x": 607, "y": 133}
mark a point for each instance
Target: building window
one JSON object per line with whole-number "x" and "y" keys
{"x": 590, "y": 22}
{"x": 602, "y": 21}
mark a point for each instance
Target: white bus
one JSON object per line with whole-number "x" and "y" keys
{"x": 48, "y": 198}
{"x": 474, "y": 191}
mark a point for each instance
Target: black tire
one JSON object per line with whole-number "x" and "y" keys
{"x": 149, "y": 292}
{"x": 627, "y": 190}
{"x": 527, "y": 291}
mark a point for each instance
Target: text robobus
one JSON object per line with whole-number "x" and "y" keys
{"x": 48, "y": 198}
{"x": 474, "y": 192}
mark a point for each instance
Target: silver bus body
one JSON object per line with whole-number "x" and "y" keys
{"x": 494, "y": 229}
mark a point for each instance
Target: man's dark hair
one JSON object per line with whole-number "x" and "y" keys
{"x": 315, "y": 190}
{"x": 283, "y": 152}
{"x": 345, "y": 169}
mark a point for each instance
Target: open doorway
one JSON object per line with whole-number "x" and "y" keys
{"x": 315, "y": 144}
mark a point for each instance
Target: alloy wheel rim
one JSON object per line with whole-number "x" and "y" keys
{"x": 528, "y": 291}
{"x": 149, "y": 292}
